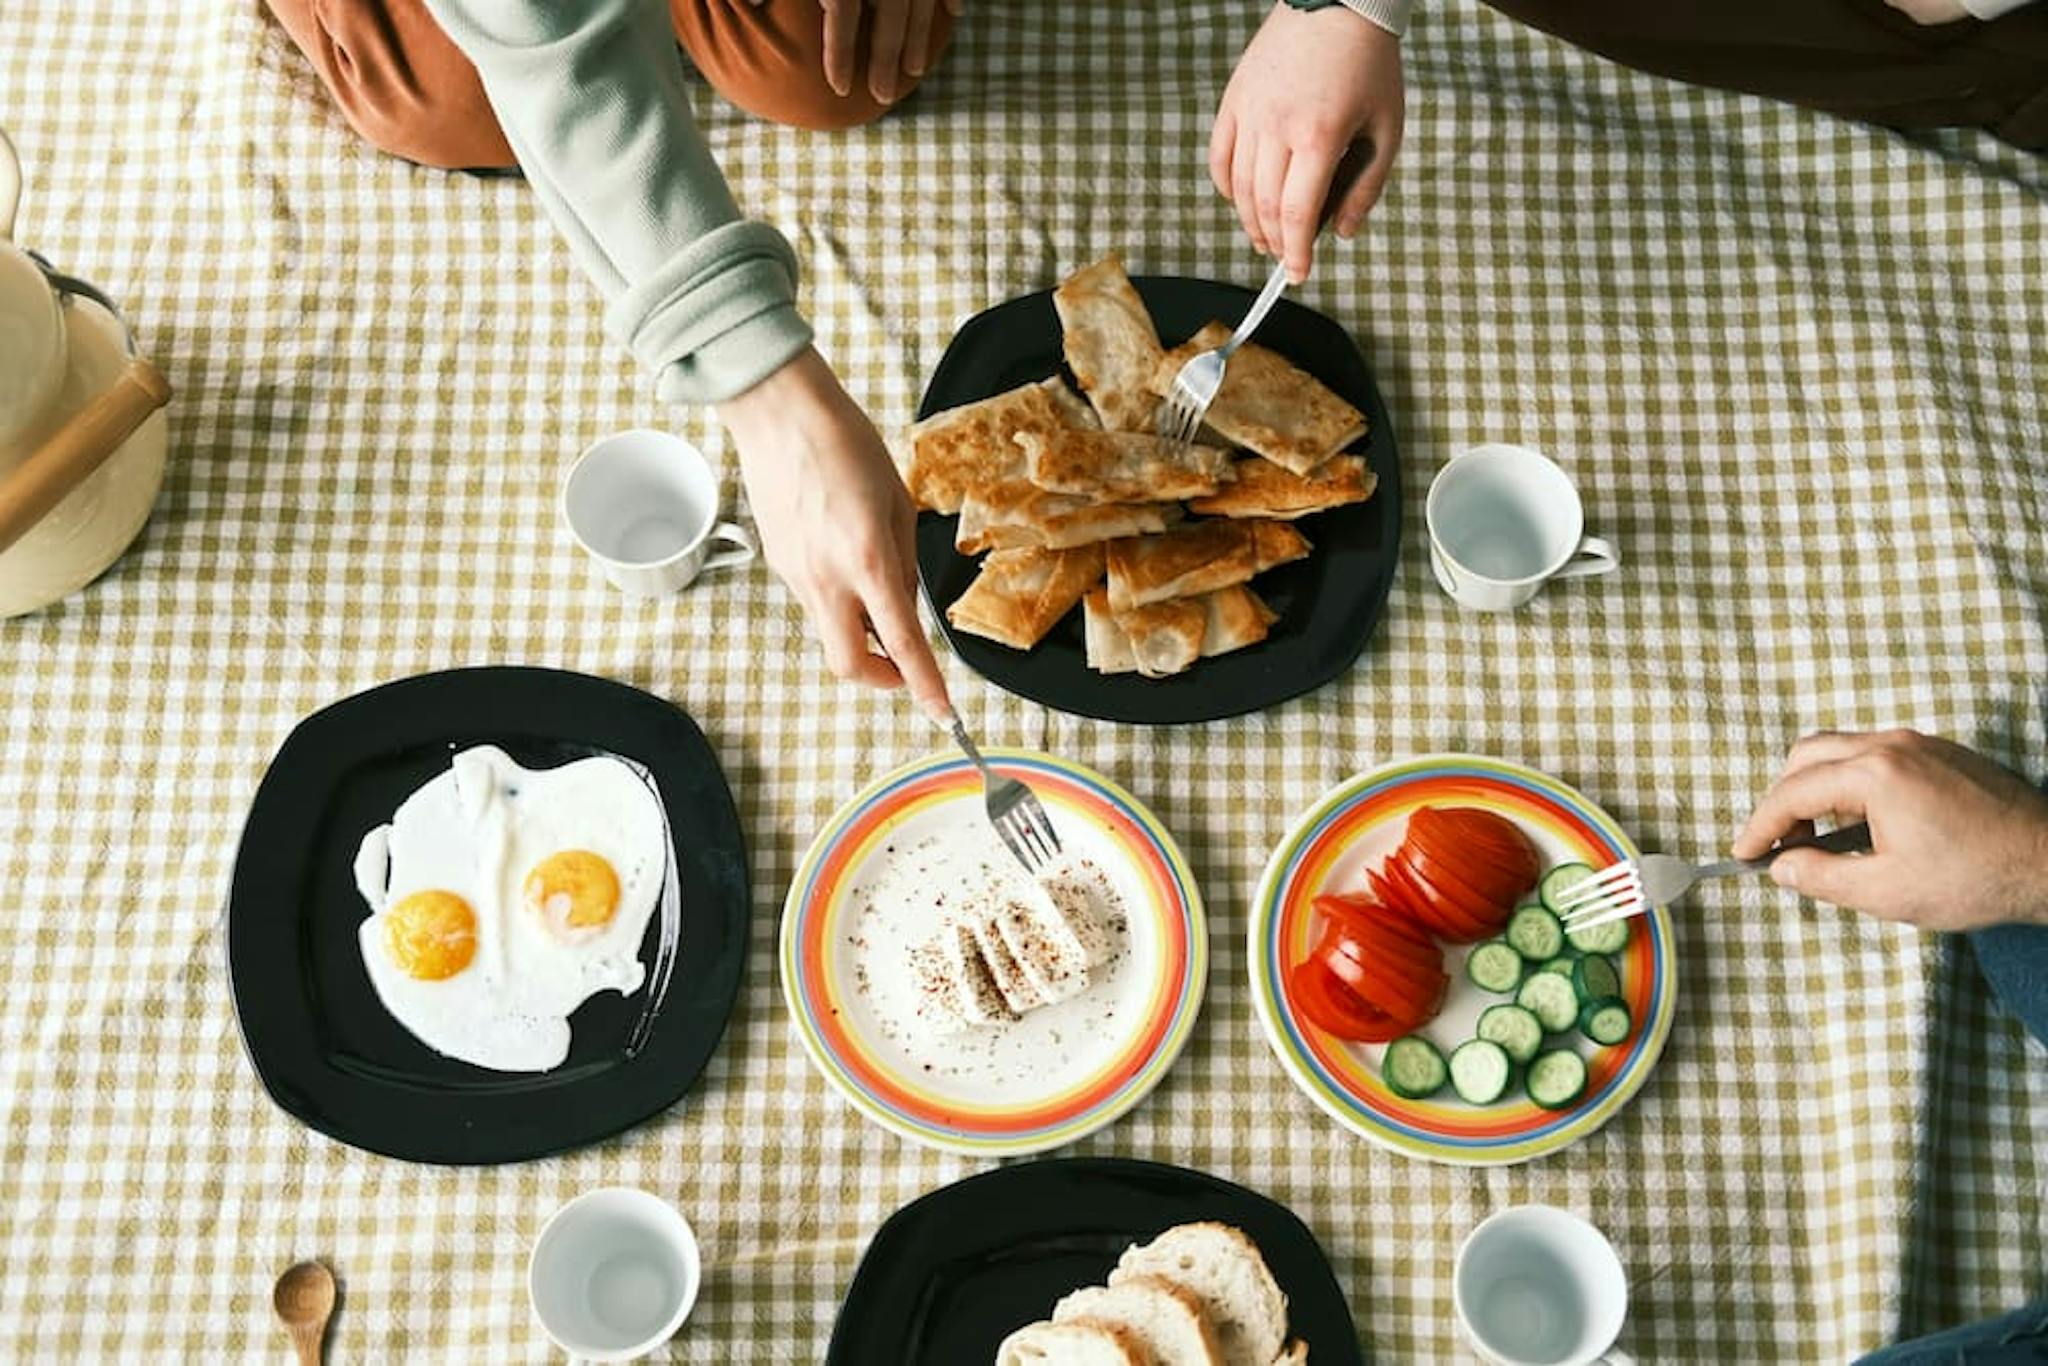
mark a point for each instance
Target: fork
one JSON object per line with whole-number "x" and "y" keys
{"x": 1013, "y": 809}
{"x": 1632, "y": 887}
{"x": 1197, "y": 383}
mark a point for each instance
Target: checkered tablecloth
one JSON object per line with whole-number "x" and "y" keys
{"x": 1795, "y": 365}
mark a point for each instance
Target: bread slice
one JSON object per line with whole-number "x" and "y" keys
{"x": 1228, "y": 1278}
{"x": 1083, "y": 1342}
{"x": 1166, "y": 1318}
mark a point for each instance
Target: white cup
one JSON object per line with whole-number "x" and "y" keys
{"x": 1539, "y": 1286}
{"x": 614, "y": 1273}
{"x": 1504, "y": 521}
{"x": 645, "y": 506}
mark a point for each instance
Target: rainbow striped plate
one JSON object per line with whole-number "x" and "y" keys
{"x": 869, "y": 889}
{"x": 1353, "y": 827}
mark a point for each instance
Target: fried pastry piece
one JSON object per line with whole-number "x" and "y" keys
{"x": 950, "y": 454}
{"x": 1236, "y": 617}
{"x": 1123, "y": 467}
{"x": 1198, "y": 558}
{"x": 1264, "y": 489}
{"x": 1267, "y": 404}
{"x": 1109, "y": 647}
{"x": 1020, "y": 594}
{"x": 1165, "y": 637}
{"x": 1168, "y": 637}
{"x": 1111, "y": 345}
{"x": 1026, "y": 516}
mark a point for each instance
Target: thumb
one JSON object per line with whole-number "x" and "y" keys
{"x": 1854, "y": 881}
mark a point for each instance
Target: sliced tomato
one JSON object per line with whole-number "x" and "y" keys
{"x": 1331, "y": 1006}
{"x": 1463, "y": 923}
{"x": 1420, "y": 904}
{"x": 1394, "y": 899}
{"x": 1492, "y": 909}
{"x": 1407, "y": 1000}
{"x": 1375, "y": 939}
{"x": 1399, "y": 919}
{"x": 1487, "y": 846}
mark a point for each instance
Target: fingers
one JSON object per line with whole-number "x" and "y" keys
{"x": 1222, "y": 147}
{"x": 1270, "y": 180}
{"x": 1301, "y": 207}
{"x": 893, "y": 610}
{"x": 917, "y": 38}
{"x": 842, "y": 26}
{"x": 1856, "y": 881}
{"x": 1350, "y": 213}
{"x": 886, "y": 30}
{"x": 1828, "y": 747}
{"x": 1834, "y": 787}
{"x": 1243, "y": 194}
{"x": 842, "y": 629}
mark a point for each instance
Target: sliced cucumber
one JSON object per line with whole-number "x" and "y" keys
{"x": 1595, "y": 979}
{"x": 1514, "y": 1028}
{"x": 1557, "y": 1079}
{"x": 1480, "y": 1069}
{"x": 1606, "y": 1021}
{"x": 1535, "y": 934}
{"x": 1557, "y": 880}
{"x": 1550, "y": 998}
{"x": 1494, "y": 966}
{"x": 1611, "y": 937}
{"x": 1562, "y": 965}
{"x": 1413, "y": 1068}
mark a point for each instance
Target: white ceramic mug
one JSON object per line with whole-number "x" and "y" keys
{"x": 644, "y": 505}
{"x": 1539, "y": 1286}
{"x": 614, "y": 1273}
{"x": 1504, "y": 521}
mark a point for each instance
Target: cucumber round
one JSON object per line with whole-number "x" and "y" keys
{"x": 1606, "y": 1021}
{"x": 1557, "y": 880}
{"x": 1480, "y": 1069}
{"x": 1595, "y": 979}
{"x": 1413, "y": 1069}
{"x": 1556, "y": 1079}
{"x": 1515, "y": 1028}
{"x": 1494, "y": 966}
{"x": 1611, "y": 937}
{"x": 1549, "y": 996}
{"x": 1562, "y": 965}
{"x": 1535, "y": 933}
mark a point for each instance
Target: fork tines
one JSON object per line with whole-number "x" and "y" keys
{"x": 1615, "y": 893}
{"x": 1028, "y": 831}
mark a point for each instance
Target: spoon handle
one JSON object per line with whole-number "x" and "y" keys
{"x": 306, "y": 1337}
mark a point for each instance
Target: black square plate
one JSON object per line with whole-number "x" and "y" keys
{"x": 321, "y": 1042}
{"x": 951, "y": 1274}
{"x": 1328, "y": 603}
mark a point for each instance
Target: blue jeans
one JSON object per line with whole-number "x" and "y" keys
{"x": 2014, "y": 960}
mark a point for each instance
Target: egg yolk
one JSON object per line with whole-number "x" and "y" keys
{"x": 432, "y": 935}
{"x": 573, "y": 890}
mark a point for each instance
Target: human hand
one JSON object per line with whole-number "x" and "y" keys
{"x": 1930, "y": 11}
{"x": 836, "y": 525}
{"x": 1310, "y": 84}
{"x": 899, "y": 43}
{"x": 1957, "y": 842}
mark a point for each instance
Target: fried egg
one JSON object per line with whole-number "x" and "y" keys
{"x": 503, "y": 897}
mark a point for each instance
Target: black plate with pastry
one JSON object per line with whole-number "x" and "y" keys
{"x": 1093, "y": 1259}
{"x": 1074, "y": 559}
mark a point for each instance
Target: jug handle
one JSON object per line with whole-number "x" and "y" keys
{"x": 10, "y": 187}
{"x": 77, "y": 448}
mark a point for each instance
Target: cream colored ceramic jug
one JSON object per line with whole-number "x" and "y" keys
{"x": 82, "y": 443}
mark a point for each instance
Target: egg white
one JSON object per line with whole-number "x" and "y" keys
{"x": 477, "y": 830}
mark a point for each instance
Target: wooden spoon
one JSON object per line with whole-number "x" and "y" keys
{"x": 304, "y": 1299}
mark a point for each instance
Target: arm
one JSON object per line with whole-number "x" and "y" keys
{"x": 591, "y": 97}
{"x": 1310, "y": 83}
{"x": 1958, "y": 843}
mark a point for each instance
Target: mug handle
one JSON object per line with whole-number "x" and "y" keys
{"x": 1594, "y": 556}
{"x": 740, "y": 538}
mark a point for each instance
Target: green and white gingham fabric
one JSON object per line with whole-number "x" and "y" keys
{"x": 1795, "y": 365}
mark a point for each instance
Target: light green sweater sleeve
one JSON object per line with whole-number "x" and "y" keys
{"x": 590, "y": 95}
